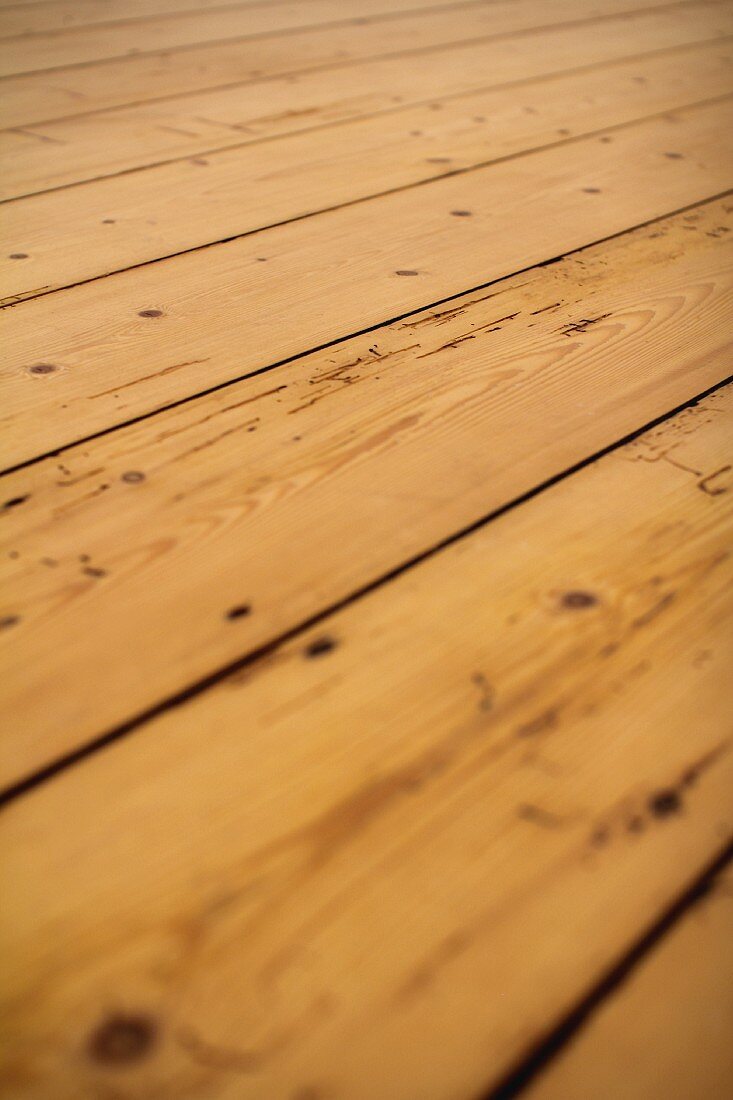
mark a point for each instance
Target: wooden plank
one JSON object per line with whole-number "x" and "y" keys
{"x": 117, "y": 348}
{"x": 65, "y": 15}
{"x": 359, "y": 870}
{"x": 147, "y": 559}
{"x": 665, "y": 1035}
{"x": 130, "y": 219}
{"x": 32, "y": 99}
{"x": 34, "y": 53}
{"x": 111, "y": 142}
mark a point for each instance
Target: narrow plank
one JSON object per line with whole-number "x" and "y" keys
{"x": 130, "y": 219}
{"x": 665, "y": 1035}
{"x": 144, "y": 561}
{"x": 121, "y": 347}
{"x": 29, "y": 100}
{"x": 352, "y": 875}
{"x": 35, "y": 53}
{"x": 111, "y": 142}
{"x": 66, "y": 15}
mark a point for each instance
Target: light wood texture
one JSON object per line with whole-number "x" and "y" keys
{"x": 222, "y": 313}
{"x": 34, "y": 99}
{"x": 130, "y": 219}
{"x": 351, "y": 876}
{"x": 77, "y": 149}
{"x": 289, "y": 491}
{"x": 34, "y": 53}
{"x": 665, "y": 1035}
{"x": 48, "y": 16}
{"x": 366, "y": 497}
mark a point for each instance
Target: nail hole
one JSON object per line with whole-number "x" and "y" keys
{"x": 403, "y": 272}
{"x": 461, "y": 213}
{"x": 320, "y": 646}
{"x": 239, "y": 612}
{"x": 150, "y": 313}
{"x": 575, "y": 601}
{"x": 42, "y": 368}
{"x": 18, "y": 255}
{"x": 665, "y": 803}
{"x": 122, "y": 1039}
{"x": 15, "y": 501}
{"x": 133, "y": 477}
{"x": 7, "y": 621}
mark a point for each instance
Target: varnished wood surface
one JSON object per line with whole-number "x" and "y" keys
{"x": 365, "y": 523}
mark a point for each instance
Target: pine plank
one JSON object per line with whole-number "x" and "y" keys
{"x": 120, "y": 347}
{"x": 108, "y": 143}
{"x": 34, "y": 53}
{"x": 361, "y": 870}
{"x": 147, "y": 559}
{"x": 66, "y": 15}
{"x": 665, "y": 1035}
{"x": 29, "y": 100}
{"x": 130, "y": 219}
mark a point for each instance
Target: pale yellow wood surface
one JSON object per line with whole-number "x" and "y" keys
{"x": 347, "y": 875}
{"x": 30, "y": 100}
{"x": 90, "y": 146}
{"x": 33, "y": 53}
{"x": 665, "y": 1034}
{"x": 222, "y": 312}
{"x": 130, "y": 219}
{"x": 289, "y": 491}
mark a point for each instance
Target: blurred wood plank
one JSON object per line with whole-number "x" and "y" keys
{"x": 35, "y": 99}
{"x": 46, "y": 16}
{"x": 33, "y": 53}
{"x": 665, "y": 1034}
{"x": 360, "y": 867}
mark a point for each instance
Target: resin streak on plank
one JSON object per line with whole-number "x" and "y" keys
{"x": 281, "y": 495}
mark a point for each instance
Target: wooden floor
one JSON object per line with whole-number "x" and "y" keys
{"x": 366, "y": 549}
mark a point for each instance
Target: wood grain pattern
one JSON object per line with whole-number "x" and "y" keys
{"x": 42, "y": 96}
{"x": 666, "y": 1034}
{"x": 128, "y": 557}
{"x": 130, "y": 219}
{"x": 123, "y": 346}
{"x": 92, "y": 146}
{"x": 342, "y": 875}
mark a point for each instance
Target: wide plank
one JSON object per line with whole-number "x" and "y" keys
{"x": 77, "y": 149}
{"x": 94, "y": 356}
{"x": 665, "y": 1033}
{"x": 130, "y": 219}
{"x": 142, "y": 562}
{"x": 34, "y": 53}
{"x": 360, "y": 868}
{"x": 34, "y": 99}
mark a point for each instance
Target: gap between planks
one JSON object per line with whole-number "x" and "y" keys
{"x": 339, "y": 166}
{"x": 40, "y": 54}
{"x": 66, "y": 346}
{"x": 652, "y": 1010}
{"x": 81, "y": 150}
{"x": 114, "y": 523}
{"x": 147, "y": 80}
{"x": 530, "y": 798}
